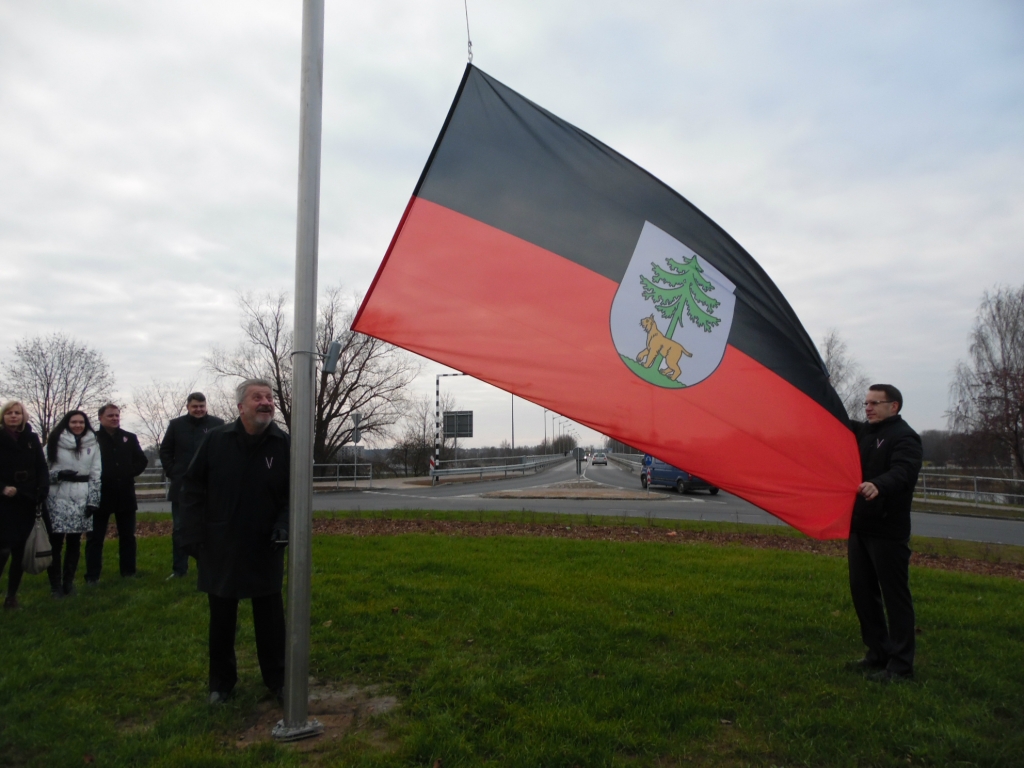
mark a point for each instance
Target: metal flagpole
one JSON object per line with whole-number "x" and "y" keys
{"x": 296, "y": 724}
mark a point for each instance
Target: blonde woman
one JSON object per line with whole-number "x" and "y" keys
{"x": 75, "y": 470}
{"x": 23, "y": 484}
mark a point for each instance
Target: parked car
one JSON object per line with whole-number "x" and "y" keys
{"x": 656, "y": 472}
{"x": 599, "y": 458}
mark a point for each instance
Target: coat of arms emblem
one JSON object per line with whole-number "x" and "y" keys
{"x": 672, "y": 313}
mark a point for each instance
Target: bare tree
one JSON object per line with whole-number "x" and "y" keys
{"x": 412, "y": 451}
{"x": 220, "y": 400}
{"x": 845, "y": 373}
{"x": 371, "y": 378}
{"x": 56, "y": 374}
{"x": 157, "y": 403}
{"x": 987, "y": 392}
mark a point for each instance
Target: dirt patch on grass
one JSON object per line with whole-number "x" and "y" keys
{"x": 393, "y": 527}
{"x": 342, "y": 711}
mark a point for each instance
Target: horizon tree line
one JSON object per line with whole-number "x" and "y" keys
{"x": 56, "y": 373}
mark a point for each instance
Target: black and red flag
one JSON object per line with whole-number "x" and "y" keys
{"x": 536, "y": 258}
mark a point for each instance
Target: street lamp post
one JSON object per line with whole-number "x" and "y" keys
{"x": 562, "y": 426}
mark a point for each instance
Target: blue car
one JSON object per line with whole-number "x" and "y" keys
{"x": 656, "y": 472}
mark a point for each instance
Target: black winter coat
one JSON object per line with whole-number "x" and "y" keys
{"x": 890, "y": 457}
{"x": 234, "y": 495}
{"x": 22, "y": 465}
{"x": 179, "y": 446}
{"x": 123, "y": 459}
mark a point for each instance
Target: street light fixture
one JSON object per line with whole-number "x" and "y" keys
{"x": 561, "y": 426}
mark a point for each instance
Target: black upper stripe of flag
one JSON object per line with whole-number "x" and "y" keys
{"x": 509, "y": 163}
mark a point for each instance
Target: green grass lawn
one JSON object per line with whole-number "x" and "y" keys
{"x": 529, "y": 652}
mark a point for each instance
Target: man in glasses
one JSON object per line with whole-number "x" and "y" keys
{"x": 879, "y": 545}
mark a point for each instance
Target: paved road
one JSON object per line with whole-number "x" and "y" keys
{"x": 664, "y": 504}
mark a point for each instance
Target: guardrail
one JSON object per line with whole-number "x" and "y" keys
{"x": 348, "y": 473}
{"x": 970, "y": 489}
{"x": 476, "y": 461}
{"x": 146, "y": 484}
{"x": 336, "y": 476}
{"x": 535, "y": 464}
{"x": 324, "y": 475}
{"x": 629, "y": 459}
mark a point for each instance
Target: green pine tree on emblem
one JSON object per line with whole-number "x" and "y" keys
{"x": 683, "y": 290}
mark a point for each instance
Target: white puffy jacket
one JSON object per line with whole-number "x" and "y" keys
{"x": 67, "y": 500}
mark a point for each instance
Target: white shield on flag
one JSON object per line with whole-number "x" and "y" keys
{"x": 672, "y": 313}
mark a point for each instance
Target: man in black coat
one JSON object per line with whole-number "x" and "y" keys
{"x": 879, "y": 545}
{"x": 123, "y": 460}
{"x": 234, "y": 509}
{"x": 176, "y": 451}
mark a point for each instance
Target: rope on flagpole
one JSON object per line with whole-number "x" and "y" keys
{"x": 469, "y": 40}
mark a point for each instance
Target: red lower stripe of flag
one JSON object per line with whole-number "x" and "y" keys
{"x": 528, "y": 321}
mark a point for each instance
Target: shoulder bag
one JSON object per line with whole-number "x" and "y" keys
{"x": 38, "y": 553}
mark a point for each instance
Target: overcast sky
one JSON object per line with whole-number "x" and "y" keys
{"x": 870, "y": 155}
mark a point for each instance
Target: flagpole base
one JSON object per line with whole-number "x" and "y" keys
{"x": 307, "y": 730}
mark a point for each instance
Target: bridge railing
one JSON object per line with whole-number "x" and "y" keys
{"x": 632, "y": 461}
{"x": 970, "y": 489}
{"x": 153, "y": 483}
{"x": 526, "y": 464}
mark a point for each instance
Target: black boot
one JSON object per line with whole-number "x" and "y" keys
{"x": 53, "y": 571}
{"x": 14, "y": 576}
{"x": 74, "y": 550}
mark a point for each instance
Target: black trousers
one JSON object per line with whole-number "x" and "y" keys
{"x": 179, "y": 558}
{"x": 126, "y": 546}
{"x": 880, "y": 587}
{"x": 268, "y": 621}
{"x": 61, "y": 580}
{"x": 14, "y": 575}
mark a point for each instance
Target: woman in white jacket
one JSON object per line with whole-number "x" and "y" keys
{"x": 75, "y": 469}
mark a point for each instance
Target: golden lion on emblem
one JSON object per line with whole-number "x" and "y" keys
{"x": 659, "y": 344}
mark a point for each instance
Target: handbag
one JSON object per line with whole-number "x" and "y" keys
{"x": 38, "y": 552}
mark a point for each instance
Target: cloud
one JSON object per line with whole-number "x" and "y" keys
{"x": 867, "y": 154}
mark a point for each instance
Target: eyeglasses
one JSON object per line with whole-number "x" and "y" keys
{"x": 876, "y": 402}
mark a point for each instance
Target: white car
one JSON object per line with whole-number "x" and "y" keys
{"x": 599, "y": 458}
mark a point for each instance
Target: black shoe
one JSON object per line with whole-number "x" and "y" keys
{"x": 92, "y": 582}
{"x": 57, "y": 593}
{"x": 219, "y": 697}
{"x": 888, "y": 676}
{"x": 70, "y": 590}
{"x": 866, "y": 666}
{"x": 175, "y": 575}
